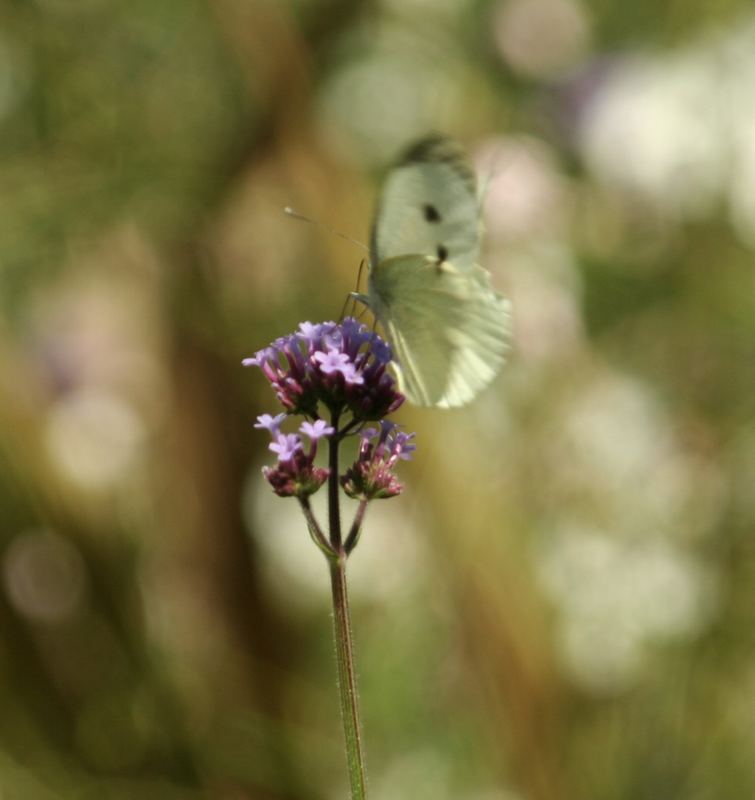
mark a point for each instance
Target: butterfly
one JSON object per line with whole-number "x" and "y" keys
{"x": 448, "y": 327}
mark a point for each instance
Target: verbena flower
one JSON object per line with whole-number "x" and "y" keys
{"x": 336, "y": 371}
{"x": 270, "y": 423}
{"x": 295, "y": 474}
{"x": 343, "y": 366}
{"x": 371, "y": 475}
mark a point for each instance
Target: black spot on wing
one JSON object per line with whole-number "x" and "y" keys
{"x": 431, "y": 213}
{"x": 439, "y": 149}
{"x": 442, "y": 252}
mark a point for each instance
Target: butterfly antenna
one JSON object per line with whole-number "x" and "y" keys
{"x": 296, "y": 215}
{"x": 352, "y": 295}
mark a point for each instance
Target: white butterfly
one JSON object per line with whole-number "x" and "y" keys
{"x": 448, "y": 327}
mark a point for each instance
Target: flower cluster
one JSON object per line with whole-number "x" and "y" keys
{"x": 343, "y": 366}
{"x": 295, "y": 474}
{"x": 371, "y": 475}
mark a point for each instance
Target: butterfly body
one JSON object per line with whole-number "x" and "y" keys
{"x": 447, "y": 325}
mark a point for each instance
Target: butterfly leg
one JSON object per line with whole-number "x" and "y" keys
{"x": 354, "y": 298}
{"x": 358, "y": 297}
{"x": 359, "y": 283}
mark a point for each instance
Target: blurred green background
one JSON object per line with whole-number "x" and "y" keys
{"x": 561, "y": 605}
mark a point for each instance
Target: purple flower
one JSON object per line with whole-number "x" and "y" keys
{"x": 371, "y": 476}
{"x": 295, "y": 474}
{"x": 285, "y": 445}
{"x": 309, "y": 331}
{"x": 270, "y": 423}
{"x": 334, "y": 361}
{"x": 394, "y": 443}
{"x": 296, "y": 477}
{"x": 342, "y": 366}
{"x": 317, "y": 429}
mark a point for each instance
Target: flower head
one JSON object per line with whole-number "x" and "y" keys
{"x": 344, "y": 366}
{"x": 295, "y": 473}
{"x": 371, "y": 475}
{"x": 297, "y": 477}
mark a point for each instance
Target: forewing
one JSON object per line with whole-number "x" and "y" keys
{"x": 449, "y": 328}
{"x": 429, "y": 205}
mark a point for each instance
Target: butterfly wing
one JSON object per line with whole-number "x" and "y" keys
{"x": 429, "y": 205}
{"x": 448, "y": 327}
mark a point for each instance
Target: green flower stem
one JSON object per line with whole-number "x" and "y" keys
{"x": 356, "y": 528}
{"x": 314, "y": 529}
{"x": 334, "y": 513}
{"x": 347, "y": 679}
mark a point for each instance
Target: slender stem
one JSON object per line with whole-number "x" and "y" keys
{"x": 353, "y": 425}
{"x": 318, "y": 537}
{"x": 356, "y": 528}
{"x": 334, "y": 513}
{"x": 347, "y": 681}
